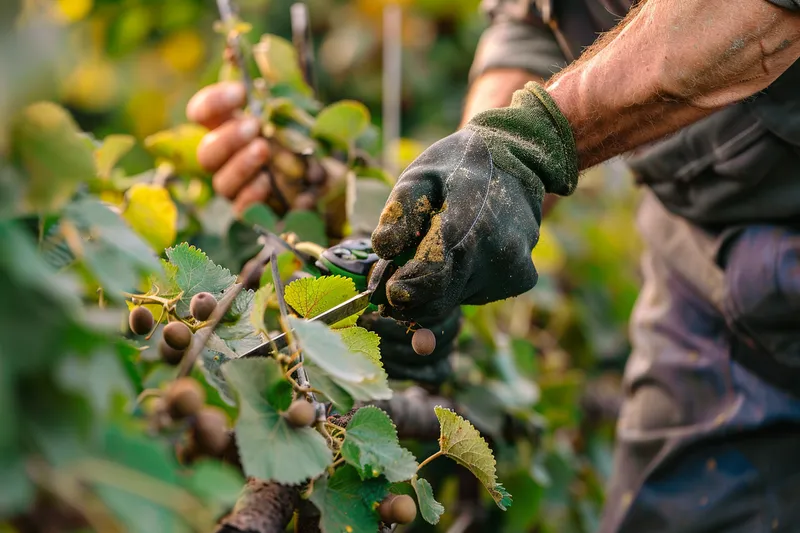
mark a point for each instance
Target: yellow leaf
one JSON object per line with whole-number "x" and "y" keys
{"x": 406, "y": 151}
{"x": 92, "y": 86}
{"x": 73, "y": 10}
{"x": 278, "y": 62}
{"x": 183, "y": 50}
{"x": 548, "y": 255}
{"x": 147, "y": 110}
{"x": 53, "y": 152}
{"x": 113, "y": 149}
{"x": 152, "y": 214}
{"x": 178, "y": 146}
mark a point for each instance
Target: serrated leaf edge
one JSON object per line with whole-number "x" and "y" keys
{"x": 497, "y": 491}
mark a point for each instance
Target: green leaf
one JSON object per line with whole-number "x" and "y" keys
{"x": 99, "y": 377}
{"x": 288, "y": 264}
{"x": 139, "y": 512}
{"x": 113, "y": 149}
{"x": 429, "y": 508}
{"x": 308, "y": 226}
{"x": 295, "y": 140}
{"x": 152, "y": 214}
{"x": 260, "y": 302}
{"x": 460, "y": 441}
{"x": 355, "y": 373}
{"x": 505, "y": 498}
{"x": 213, "y": 357}
{"x": 262, "y": 216}
{"x": 339, "y": 397}
{"x": 236, "y": 329}
{"x": 313, "y": 296}
{"x": 49, "y": 146}
{"x": 371, "y": 446}
{"x": 341, "y": 123}
{"x": 346, "y": 503}
{"x": 279, "y": 396}
{"x": 218, "y": 484}
{"x": 361, "y": 340}
{"x": 178, "y": 146}
{"x": 196, "y": 273}
{"x": 269, "y": 447}
{"x": 326, "y": 349}
{"x": 278, "y": 62}
{"x": 17, "y": 491}
{"x": 116, "y": 256}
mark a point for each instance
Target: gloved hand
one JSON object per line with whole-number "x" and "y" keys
{"x": 471, "y": 206}
{"x": 400, "y": 360}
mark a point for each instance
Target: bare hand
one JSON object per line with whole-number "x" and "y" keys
{"x": 233, "y": 150}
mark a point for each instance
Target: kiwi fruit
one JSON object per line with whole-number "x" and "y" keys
{"x": 385, "y": 509}
{"x": 306, "y": 201}
{"x": 404, "y": 509}
{"x": 141, "y": 320}
{"x": 177, "y": 335}
{"x": 315, "y": 174}
{"x": 423, "y": 341}
{"x": 211, "y": 431}
{"x": 170, "y": 355}
{"x": 184, "y": 397}
{"x": 301, "y": 414}
{"x": 202, "y": 305}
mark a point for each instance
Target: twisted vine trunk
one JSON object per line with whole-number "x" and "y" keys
{"x": 262, "y": 508}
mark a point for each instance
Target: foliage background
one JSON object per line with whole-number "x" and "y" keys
{"x": 130, "y": 66}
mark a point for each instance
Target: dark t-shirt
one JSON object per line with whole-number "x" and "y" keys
{"x": 740, "y": 165}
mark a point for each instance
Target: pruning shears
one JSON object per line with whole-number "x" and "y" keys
{"x": 353, "y": 259}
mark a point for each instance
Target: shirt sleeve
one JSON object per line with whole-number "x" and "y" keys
{"x": 516, "y": 38}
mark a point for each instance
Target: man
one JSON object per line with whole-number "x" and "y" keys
{"x": 708, "y": 436}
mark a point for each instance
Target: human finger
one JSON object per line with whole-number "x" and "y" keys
{"x": 241, "y": 168}
{"x": 219, "y": 145}
{"x": 255, "y": 192}
{"x": 216, "y": 104}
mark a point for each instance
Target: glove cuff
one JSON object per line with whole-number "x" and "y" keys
{"x": 531, "y": 139}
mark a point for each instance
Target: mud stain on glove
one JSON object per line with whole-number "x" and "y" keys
{"x": 391, "y": 213}
{"x": 423, "y": 205}
{"x": 398, "y": 296}
{"x": 431, "y": 249}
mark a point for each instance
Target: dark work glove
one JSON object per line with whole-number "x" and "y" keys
{"x": 400, "y": 360}
{"x": 471, "y": 207}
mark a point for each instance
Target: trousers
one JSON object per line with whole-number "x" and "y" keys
{"x": 704, "y": 442}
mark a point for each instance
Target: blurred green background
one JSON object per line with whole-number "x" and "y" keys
{"x": 130, "y": 66}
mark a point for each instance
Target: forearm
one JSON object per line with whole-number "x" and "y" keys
{"x": 668, "y": 64}
{"x": 494, "y": 89}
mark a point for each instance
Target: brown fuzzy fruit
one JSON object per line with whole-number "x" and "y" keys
{"x": 202, "y": 305}
{"x": 287, "y": 163}
{"x": 185, "y": 397}
{"x": 306, "y": 201}
{"x": 141, "y": 320}
{"x": 385, "y": 509}
{"x": 404, "y": 510}
{"x": 423, "y": 342}
{"x": 211, "y": 431}
{"x": 301, "y": 414}
{"x": 315, "y": 174}
{"x": 177, "y": 335}
{"x": 170, "y": 355}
